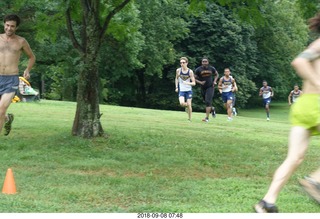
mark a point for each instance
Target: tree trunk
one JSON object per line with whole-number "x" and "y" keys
{"x": 87, "y": 118}
{"x": 141, "y": 88}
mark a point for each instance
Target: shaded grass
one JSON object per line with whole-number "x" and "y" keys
{"x": 152, "y": 161}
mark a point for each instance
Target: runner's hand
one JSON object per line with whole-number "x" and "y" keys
{"x": 26, "y": 74}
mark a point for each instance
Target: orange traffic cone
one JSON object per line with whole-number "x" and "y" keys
{"x": 9, "y": 186}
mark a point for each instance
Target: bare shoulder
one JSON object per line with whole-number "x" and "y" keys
{"x": 2, "y": 37}
{"x": 21, "y": 39}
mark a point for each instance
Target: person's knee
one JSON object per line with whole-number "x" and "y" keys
{"x": 208, "y": 103}
{"x": 295, "y": 160}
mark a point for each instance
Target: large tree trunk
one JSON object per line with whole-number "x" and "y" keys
{"x": 87, "y": 118}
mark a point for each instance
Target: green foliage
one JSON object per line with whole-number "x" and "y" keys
{"x": 55, "y": 21}
{"x": 8, "y": 7}
{"x": 279, "y": 41}
{"x": 122, "y": 44}
{"x": 62, "y": 83}
{"x": 195, "y": 7}
{"x": 247, "y": 11}
{"x": 308, "y": 8}
{"x": 163, "y": 24}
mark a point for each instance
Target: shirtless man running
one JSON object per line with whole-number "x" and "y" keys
{"x": 11, "y": 47}
{"x": 305, "y": 123}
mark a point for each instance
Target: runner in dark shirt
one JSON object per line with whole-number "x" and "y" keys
{"x": 204, "y": 76}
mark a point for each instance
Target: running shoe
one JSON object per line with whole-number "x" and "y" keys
{"x": 264, "y": 207}
{"x": 205, "y": 120}
{"x": 311, "y": 187}
{"x": 234, "y": 111}
{"x": 213, "y": 112}
{"x": 8, "y": 124}
{"x": 268, "y": 119}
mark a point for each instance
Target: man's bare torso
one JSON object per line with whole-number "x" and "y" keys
{"x": 10, "y": 52}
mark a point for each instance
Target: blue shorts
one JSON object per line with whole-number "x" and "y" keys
{"x": 9, "y": 83}
{"x": 186, "y": 94}
{"x": 227, "y": 96}
{"x": 266, "y": 101}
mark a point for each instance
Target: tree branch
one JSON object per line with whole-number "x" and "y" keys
{"x": 96, "y": 6}
{"x": 86, "y": 7}
{"x": 92, "y": 7}
{"x": 71, "y": 31}
{"x": 110, "y": 16}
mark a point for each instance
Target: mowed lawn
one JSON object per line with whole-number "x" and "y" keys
{"x": 151, "y": 161}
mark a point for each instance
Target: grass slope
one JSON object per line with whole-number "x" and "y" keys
{"x": 152, "y": 161}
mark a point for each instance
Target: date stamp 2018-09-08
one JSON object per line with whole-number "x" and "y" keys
{"x": 160, "y": 215}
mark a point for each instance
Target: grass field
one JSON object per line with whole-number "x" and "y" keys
{"x": 152, "y": 161}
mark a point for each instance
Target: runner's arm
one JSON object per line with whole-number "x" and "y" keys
{"x": 220, "y": 84}
{"x": 289, "y": 98}
{"x": 193, "y": 80}
{"x": 32, "y": 59}
{"x": 216, "y": 76}
{"x": 176, "y": 80}
{"x": 234, "y": 86}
